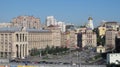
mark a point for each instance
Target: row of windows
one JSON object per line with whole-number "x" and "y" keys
{"x": 115, "y": 55}
{"x": 6, "y": 43}
{"x": 2, "y": 39}
{"x": 21, "y": 37}
{"x": 6, "y": 34}
{"x": 5, "y": 54}
{"x": 90, "y": 41}
{"x": 39, "y": 38}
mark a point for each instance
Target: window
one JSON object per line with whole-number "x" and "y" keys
{"x": 17, "y": 37}
{"x": 1, "y": 34}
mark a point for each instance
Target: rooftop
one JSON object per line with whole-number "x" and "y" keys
{"x": 15, "y": 29}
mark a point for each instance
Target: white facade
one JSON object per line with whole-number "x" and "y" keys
{"x": 62, "y": 26}
{"x": 5, "y": 25}
{"x": 113, "y": 58}
{"x": 100, "y": 49}
{"x": 51, "y": 21}
{"x": 90, "y": 23}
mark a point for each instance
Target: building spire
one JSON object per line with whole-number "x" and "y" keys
{"x": 90, "y": 23}
{"x": 90, "y": 18}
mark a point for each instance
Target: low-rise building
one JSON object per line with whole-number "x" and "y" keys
{"x": 113, "y": 58}
{"x": 100, "y": 49}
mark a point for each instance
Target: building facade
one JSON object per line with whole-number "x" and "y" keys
{"x": 20, "y": 44}
{"x": 16, "y": 42}
{"x": 117, "y": 42}
{"x": 113, "y": 58}
{"x": 50, "y": 20}
{"x": 71, "y": 39}
{"x": 26, "y": 21}
{"x": 5, "y": 44}
{"x": 111, "y": 25}
{"x": 89, "y": 38}
{"x": 100, "y": 49}
{"x": 102, "y": 31}
{"x": 62, "y": 26}
{"x": 39, "y": 39}
{"x": 110, "y": 39}
{"x": 78, "y": 30}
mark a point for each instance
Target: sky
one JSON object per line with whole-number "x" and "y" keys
{"x": 68, "y": 11}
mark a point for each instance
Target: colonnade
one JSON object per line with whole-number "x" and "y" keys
{"x": 22, "y": 50}
{"x": 21, "y": 37}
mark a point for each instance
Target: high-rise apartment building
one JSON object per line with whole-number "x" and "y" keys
{"x": 26, "y": 21}
{"x": 62, "y": 26}
{"x": 110, "y": 39}
{"x": 51, "y": 21}
{"x": 58, "y": 24}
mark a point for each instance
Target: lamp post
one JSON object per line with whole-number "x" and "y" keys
{"x": 70, "y": 57}
{"x": 79, "y": 58}
{"x": 40, "y": 54}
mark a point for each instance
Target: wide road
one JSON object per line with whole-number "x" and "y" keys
{"x": 48, "y": 65}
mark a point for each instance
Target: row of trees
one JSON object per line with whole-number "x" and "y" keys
{"x": 48, "y": 50}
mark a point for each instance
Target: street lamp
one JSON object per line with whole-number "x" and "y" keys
{"x": 79, "y": 62}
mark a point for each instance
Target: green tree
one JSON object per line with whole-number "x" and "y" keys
{"x": 34, "y": 52}
{"x": 101, "y": 40}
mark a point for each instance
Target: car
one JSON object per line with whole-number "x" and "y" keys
{"x": 12, "y": 60}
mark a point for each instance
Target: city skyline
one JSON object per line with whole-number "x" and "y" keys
{"x": 76, "y": 12}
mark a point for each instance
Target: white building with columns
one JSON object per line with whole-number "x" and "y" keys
{"x": 13, "y": 43}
